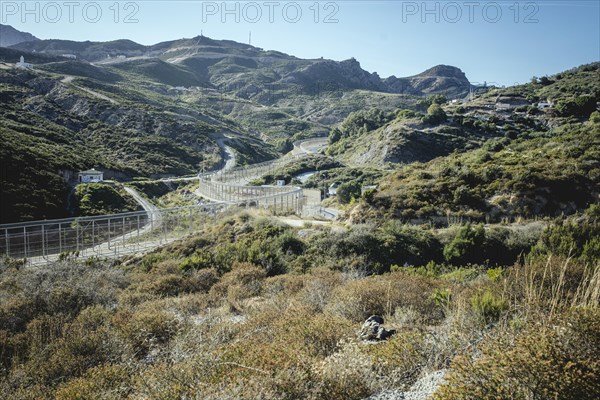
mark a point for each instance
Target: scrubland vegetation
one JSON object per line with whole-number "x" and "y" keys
{"x": 250, "y": 308}
{"x": 100, "y": 199}
{"x": 480, "y": 247}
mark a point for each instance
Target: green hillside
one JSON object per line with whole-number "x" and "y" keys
{"x": 540, "y": 162}
{"x": 68, "y": 116}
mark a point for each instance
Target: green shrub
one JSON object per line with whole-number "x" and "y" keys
{"x": 348, "y": 191}
{"x": 200, "y": 260}
{"x": 487, "y": 307}
{"x": 557, "y": 361}
{"x": 435, "y": 115}
{"x": 571, "y": 238}
{"x": 466, "y": 245}
{"x": 102, "y": 199}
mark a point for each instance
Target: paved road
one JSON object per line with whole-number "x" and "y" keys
{"x": 154, "y": 215}
{"x": 228, "y": 154}
{"x": 310, "y": 146}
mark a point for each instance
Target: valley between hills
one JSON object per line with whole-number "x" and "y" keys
{"x": 464, "y": 216}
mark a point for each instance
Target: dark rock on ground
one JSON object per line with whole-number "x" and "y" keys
{"x": 373, "y": 329}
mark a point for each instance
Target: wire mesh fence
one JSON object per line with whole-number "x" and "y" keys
{"x": 104, "y": 236}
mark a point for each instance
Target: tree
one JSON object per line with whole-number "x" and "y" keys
{"x": 435, "y": 114}
{"x": 334, "y": 135}
{"x": 467, "y": 245}
{"x": 579, "y": 106}
{"x": 439, "y": 99}
{"x": 347, "y": 191}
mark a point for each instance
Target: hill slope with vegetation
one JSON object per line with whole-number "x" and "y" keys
{"x": 246, "y": 307}
{"x": 66, "y": 116}
{"x": 250, "y": 307}
{"x": 480, "y": 160}
{"x": 156, "y": 111}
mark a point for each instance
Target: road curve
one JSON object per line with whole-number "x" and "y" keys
{"x": 154, "y": 215}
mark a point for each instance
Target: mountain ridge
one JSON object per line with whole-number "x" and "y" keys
{"x": 210, "y": 60}
{"x": 10, "y": 36}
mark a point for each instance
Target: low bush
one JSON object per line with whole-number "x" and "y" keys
{"x": 487, "y": 307}
{"x": 557, "y": 361}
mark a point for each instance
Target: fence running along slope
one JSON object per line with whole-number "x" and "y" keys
{"x": 41, "y": 242}
{"x": 231, "y": 187}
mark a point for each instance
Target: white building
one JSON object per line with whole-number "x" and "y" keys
{"x": 71, "y": 56}
{"x": 91, "y": 176}
{"x": 332, "y": 191}
{"x": 280, "y": 182}
{"x": 542, "y": 105}
{"x": 23, "y": 65}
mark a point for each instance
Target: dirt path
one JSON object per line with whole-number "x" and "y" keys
{"x": 68, "y": 80}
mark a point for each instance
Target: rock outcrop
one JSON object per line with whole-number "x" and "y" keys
{"x": 373, "y": 330}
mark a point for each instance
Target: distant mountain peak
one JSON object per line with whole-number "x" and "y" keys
{"x": 10, "y": 36}
{"x": 232, "y": 64}
{"x": 447, "y": 71}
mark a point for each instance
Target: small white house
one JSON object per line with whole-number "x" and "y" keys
{"x": 280, "y": 182}
{"x": 332, "y": 191}
{"x": 503, "y": 106}
{"x": 71, "y": 56}
{"x": 23, "y": 65}
{"x": 91, "y": 176}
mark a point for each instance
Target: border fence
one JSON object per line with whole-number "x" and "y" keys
{"x": 116, "y": 235}
{"x": 231, "y": 187}
{"x": 42, "y": 242}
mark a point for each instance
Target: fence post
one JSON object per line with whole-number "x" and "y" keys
{"x": 43, "y": 241}
{"x": 59, "y": 238}
{"x": 7, "y": 242}
{"x": 25, "y": 242}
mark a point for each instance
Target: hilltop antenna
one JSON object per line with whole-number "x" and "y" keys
{"x": 250, "y": 38}
{"x": 201, "y": 34}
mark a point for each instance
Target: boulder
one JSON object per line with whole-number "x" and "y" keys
{"x": 373, "y": 330}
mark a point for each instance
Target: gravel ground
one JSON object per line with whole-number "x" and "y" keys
{"x": 421, "y": 390}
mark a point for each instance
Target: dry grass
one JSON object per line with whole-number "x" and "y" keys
{"x": 153, "y": 330}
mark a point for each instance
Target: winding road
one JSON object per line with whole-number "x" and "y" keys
{"x": 141, "y": 237}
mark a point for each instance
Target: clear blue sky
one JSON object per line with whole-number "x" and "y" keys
{"x": 503, "y": 42}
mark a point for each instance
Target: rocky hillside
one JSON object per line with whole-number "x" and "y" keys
{"x": 445, "y": 79}
{"x": 64, "y": 116}
{"x": 520, "y": 152}
{"x": 9, "y": 36}
{"x": 253, "y": 73}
